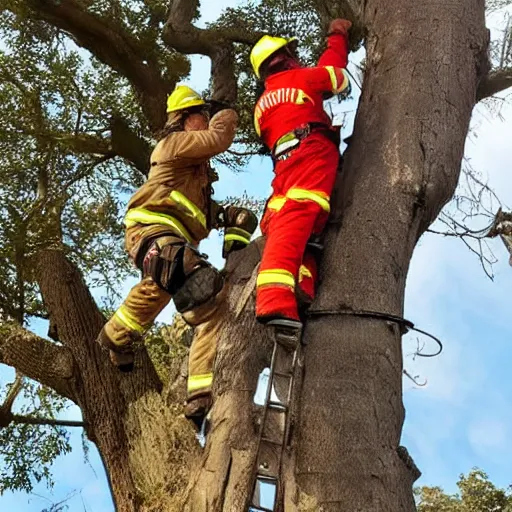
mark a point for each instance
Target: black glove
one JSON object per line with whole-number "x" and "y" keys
{"x": 240, "y": 224}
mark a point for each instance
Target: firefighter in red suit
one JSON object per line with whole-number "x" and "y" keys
{"x": 290, "y": 119}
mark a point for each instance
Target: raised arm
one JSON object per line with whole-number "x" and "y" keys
{"x": 192, "y": 146}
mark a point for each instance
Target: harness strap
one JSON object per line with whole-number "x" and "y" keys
{"x": 292, "y": 140}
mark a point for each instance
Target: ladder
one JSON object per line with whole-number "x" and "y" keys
{"x": 275, "y": 422}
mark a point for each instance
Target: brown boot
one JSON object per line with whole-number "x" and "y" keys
{"x": 124, "y": 361}
{"x": 197, "y": 408}
{"x": 122, "y": 356}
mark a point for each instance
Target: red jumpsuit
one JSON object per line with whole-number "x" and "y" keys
{"x": 304, "y": 178}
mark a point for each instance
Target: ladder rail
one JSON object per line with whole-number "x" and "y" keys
{"x": 257, "y": 474}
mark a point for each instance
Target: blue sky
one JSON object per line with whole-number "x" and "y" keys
{"x": 463, "y": 417}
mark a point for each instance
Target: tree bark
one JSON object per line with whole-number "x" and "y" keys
{"x": 125, "y": 414}
{"x": 402, "y": 167}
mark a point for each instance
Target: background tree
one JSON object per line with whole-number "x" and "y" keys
{"x": 84, "y": 86}
{"x": 477, "y": 494}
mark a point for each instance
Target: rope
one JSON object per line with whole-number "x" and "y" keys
{"x": 407, "y": 325}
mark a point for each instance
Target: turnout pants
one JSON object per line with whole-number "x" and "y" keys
{"x": 144, "y": 303}
{"x": 298, "y": 208}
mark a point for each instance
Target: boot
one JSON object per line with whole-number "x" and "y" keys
{"x": 287, "y": 333}
{"x": 124, "y": 361}
{"x": 197, "y": 408}
{"x": 121, "y": 356}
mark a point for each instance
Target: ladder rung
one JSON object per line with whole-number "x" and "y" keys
{"x": 282, "y": 374}
{"x": 267, "y": 479}
{"x": 272, "y": 478}
{"x": 277, "y": 405}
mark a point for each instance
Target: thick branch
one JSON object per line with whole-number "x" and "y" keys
{"x": 180, "y": 34}
{"x": 111, "y": 43}
{"x": 41, "y": 360}
{"x": 124, "y": 142}
{"x": 495, "y": 82}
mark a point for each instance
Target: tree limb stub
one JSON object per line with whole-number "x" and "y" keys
{"x": 495, "y": 82}
{"x": 38, "y": 359}
{"x": 113, "y": 45}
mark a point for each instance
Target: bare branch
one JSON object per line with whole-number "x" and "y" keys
{"x": 32, "y": 420}
{"x": 38, "y": 359}
{"x": 495, "y": 82}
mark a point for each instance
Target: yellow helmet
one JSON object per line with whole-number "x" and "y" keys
{"x": 183, "y": 97}
{"x": 265, "y": 47}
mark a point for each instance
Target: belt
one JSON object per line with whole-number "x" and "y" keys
{"x": 292, "y": 140}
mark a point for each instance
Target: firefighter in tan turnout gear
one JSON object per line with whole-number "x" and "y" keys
{"x": 166, "y": 219}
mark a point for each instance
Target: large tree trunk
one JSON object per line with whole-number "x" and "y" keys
{"x": 423, "y": 62}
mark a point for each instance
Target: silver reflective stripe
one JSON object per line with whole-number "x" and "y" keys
{"x": 285, "y": 146}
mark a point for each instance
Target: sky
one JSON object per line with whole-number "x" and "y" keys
{"x": 462, "y": 418}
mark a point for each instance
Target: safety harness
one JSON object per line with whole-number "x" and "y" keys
{"x": 291, "y": 140}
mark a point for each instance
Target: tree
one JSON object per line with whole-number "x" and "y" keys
{"x": 477, "y": 494}
{"x": 91, "y": 79}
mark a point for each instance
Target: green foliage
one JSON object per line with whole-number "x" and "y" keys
{"x": 27, "y": 451}
{"x": 476, "y": 494}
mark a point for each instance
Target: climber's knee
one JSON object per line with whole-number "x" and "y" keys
{"x": 199, "y": 287}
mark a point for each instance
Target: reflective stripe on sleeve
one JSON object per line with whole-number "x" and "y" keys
{"x": 339, "y": 84}
{"x": 123, "y": 316}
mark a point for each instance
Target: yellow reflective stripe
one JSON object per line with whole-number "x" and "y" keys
{"x": 304, "y": 272}
{"x": 127, "y": 319}
{"x": 275, "y": 276}
{"x": 276, "y": 203}
{"x": 257, "y": 117}
{"x": 301, "y": 194}
{"x": 281, "y": 147}
{"x": 143, "y": 216}
{"x": 238, "y": 231}
{"x": 191, "y": 207}
{"x": 196, "y": 382}
{"x": 345, "y": 83}
{"x": 237, "y": 238}
{"x": 334, "y": 79}
{"x": 302, "y": 98}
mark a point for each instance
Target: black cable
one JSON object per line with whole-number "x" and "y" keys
{"x": 377, "y": 315}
